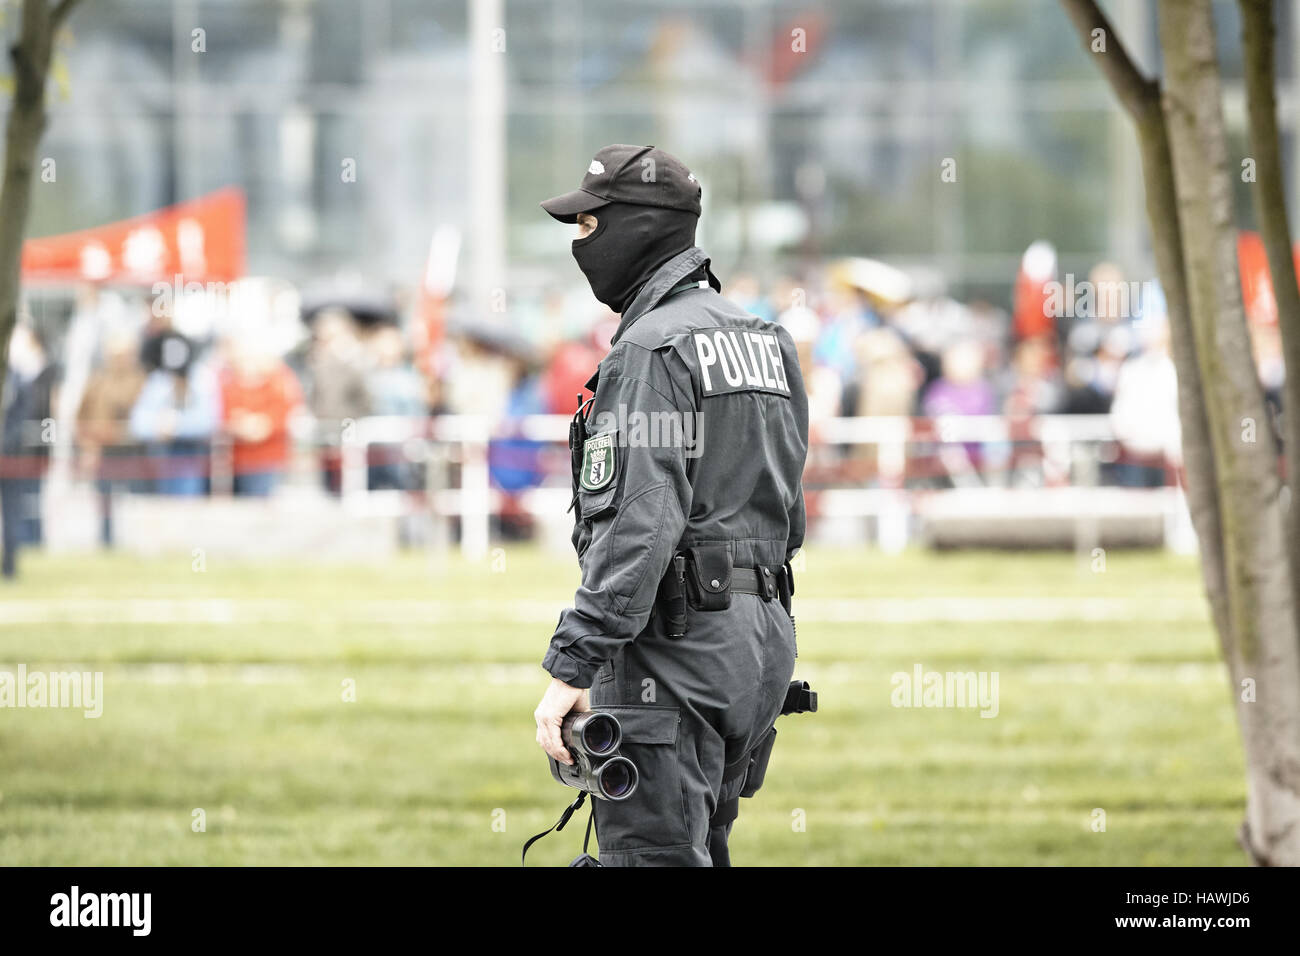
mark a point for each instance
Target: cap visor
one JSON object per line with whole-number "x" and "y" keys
{"x": 566, "y": 208}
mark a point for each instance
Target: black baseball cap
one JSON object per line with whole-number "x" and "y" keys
{"x": 642, "y": 175}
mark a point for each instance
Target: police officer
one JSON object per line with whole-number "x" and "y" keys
{"x": 688, "y": 508}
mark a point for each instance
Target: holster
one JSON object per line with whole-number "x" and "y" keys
{"x": 672, "y": 598}
{"x": 744, "y": 777}
{"x": 800, "y": 698}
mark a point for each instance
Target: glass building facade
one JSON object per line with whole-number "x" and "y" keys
{"x": 817, "y": 129}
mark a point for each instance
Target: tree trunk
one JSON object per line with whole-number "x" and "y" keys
{"x": 1200, "y": 481}
{"x": 1233, "y": 488}
{"x": 30, "y": 60}
{"x": 1141, "y": 99}
{"x": 1260, "y": 644}
{"x": 1269, "y": 193}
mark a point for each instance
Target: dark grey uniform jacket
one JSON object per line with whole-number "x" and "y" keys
{"x": 709, "y": 419}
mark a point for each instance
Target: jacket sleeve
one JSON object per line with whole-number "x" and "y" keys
{"x": 798, "y": 515}
{"x": 798, "y": 525}
{"x": 630, "y": 526}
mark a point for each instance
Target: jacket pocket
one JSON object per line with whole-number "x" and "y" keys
{"x": 655, "y": 814}
{"x": 593, "y": 504}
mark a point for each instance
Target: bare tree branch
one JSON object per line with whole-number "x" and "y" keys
{"x": 1138, "y": 94}
{"x": 60, "y": 12}
{"x": 25, "y": 125}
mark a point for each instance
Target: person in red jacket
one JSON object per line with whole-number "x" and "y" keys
{"x": 259, "y": 395}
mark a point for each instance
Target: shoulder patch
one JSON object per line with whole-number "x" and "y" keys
{"x": 737, "y": 359}
{"x": 599, "y": 460}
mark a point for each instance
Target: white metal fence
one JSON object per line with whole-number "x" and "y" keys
{"x": 959, "y": 481}
{"x": 987, "y": 469}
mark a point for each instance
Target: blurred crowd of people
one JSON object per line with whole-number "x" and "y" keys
{"x": 162, "y": 412}
{"x": 1097, "y": 345}
{"x": 168, "y": 413}
{"x": 153, "y": 408}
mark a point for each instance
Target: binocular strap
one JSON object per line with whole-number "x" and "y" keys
{"x": 585, "y": 859}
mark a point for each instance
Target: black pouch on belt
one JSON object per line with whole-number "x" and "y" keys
{"x": 785, "y": 587}
{"x": 708, "y": 577}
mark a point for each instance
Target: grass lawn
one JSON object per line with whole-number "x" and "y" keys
{"x": 223, "y": 692}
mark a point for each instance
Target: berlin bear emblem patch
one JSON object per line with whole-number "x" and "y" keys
{"x": 598, "y": 460}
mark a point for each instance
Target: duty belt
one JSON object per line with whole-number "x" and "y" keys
{"x": 769, "y": 583}
{"x": 760, "y": 581}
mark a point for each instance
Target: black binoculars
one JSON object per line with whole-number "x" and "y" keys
{"x": 592, "y": 739}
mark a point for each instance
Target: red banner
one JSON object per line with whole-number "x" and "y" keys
{"x": 1256, "y": 281}
{"x": 201, "y": 240}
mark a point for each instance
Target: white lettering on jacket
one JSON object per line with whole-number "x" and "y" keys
{"x": 739, "y": 360}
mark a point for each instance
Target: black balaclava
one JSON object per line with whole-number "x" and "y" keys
{"x": 629, "y": 243}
